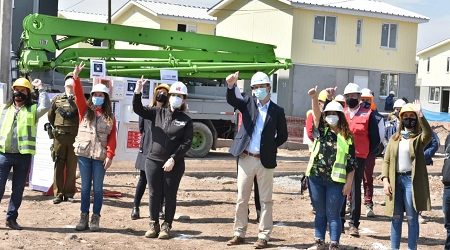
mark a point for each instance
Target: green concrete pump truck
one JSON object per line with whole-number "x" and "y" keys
{"x": 202, "y": 62}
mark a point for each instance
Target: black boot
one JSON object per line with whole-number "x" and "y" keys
{"x": 12, "y": 223}
{"x": 135, "y": 213}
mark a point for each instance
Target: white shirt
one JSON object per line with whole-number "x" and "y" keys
{"x": 404, "y": 159}
{"x": 255, "y": 140}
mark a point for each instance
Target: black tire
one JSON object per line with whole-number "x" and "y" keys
{"x": 202, "y": 141}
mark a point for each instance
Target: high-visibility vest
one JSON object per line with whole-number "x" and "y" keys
{"x": 26, "y": 128}
{"x": 338, "y": 171}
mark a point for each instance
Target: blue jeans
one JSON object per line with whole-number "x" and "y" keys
{"x": 91, "y": 171}
{"x": 20, "y": 163}
{"x": 326, "y": 197}
{"x": 404, "y": 203}
{"x": 446, "y": 210}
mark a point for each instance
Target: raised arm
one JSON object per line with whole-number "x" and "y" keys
{"x": 315, "y": 106}
{"x": 234, "y": 97}
{"x": 44, "y": 100}
{"x": 138, "y": 108}
{"x": 427, "y": 133}
{"x": 78, "y": 91}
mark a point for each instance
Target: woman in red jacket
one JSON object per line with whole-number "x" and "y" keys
{"x": 94, "y": 146}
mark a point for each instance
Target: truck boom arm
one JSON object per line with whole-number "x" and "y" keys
{"x": 192, "y": 55}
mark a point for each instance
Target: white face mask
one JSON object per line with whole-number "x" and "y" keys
{"x": 332, "y": 120}
{"x": 175, "y": 102}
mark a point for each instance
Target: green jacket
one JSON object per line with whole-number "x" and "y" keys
{"x": 421, "y": 190}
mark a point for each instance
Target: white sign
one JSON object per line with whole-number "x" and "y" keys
{"x": 169, "y": 76}
{"x": 98, "y": 68}
{"x": 42, "y": 168}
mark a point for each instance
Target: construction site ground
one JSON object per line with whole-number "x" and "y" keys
{"x": 205, "y": 212}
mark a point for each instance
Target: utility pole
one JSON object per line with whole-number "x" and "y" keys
{"x": 5, "y": 41}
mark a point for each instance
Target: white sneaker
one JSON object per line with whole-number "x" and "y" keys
{"x": 369, "y": 211}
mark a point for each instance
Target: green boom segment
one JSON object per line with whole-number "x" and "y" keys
{"x": 192, "y": 55}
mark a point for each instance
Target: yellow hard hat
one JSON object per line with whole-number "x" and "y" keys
{"x": 22, "y": 82}
{"x": 323, "y": 96}
{"x": 409, "y": 107}
{"x": 162, "y": 86}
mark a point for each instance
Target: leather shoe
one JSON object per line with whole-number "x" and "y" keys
{"x": 13, "y": 224}
{"x": 260, "y": 244}
{"x": 236, "y": 240}
{"x": 57, "y": 199}
{"x": 135, "y": 213}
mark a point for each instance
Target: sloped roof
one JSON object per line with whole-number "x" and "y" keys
{"x": 99, "y": 18}
{"x": 101, "y": 6}
{"x": 434, "y": 46}
{"x": 372, "y": 8}
{"x": 175, "y": 10}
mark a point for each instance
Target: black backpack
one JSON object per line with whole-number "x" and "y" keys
{"x": 446, "y": 167}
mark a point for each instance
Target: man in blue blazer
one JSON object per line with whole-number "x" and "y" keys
{"x": 263, "y": 130}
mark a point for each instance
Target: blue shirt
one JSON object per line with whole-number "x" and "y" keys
{"x": 255, "y": 141}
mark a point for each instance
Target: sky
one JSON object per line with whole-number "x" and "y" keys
{"x": 438, "y": 28}
{"x": 434, "y": 31}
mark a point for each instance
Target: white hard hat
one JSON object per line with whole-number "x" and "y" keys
{"x": 259, "y": 78}
{"x": 334, "y": 106}
{"x": 399, "y": 103}
{"x": 352, "y": 88}
{"x": 178, "y": 88}
{"x": 99, "y": 87}
{"x": 392, "y": 92}
{"x": 339, "y": 98}
{"x": 365, "y": 92}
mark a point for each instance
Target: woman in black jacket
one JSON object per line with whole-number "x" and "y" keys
{"x": 160, "y": 99}
{"x": 171, "y": 138}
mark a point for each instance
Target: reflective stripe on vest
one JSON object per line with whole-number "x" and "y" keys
{"x": 338, "y": 171}
{"x": 359, "y": 126}
{"x": 26, "y": 128}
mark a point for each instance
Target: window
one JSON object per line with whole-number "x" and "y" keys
{"x": 389, "y": 82}
{"x": 187, "y": 28}
{"x": 325, "y": 28}
{"x": 389, "y": 35}
{"x": 435, "y": 94}
{"x": 274, "y": 83}
{"x": 181, "y": 27}
{"x": 358, "y": 32}
{"x": 428, "y": 65}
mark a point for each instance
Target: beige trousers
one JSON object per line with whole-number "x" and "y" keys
{"x": 248, "y": 168}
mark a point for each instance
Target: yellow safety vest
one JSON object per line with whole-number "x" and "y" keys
{"x": 338, "y": 172}
{"x": 26, "y": 128}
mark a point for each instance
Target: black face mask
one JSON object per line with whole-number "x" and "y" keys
{"x": 352, "y": 102}
{"x": 409, "y": 123}
{"x": 19, "y": 96}
{"x": 161, "y": 98}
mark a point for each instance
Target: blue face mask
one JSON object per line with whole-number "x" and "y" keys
{"x": 97, "y": 100}
{"x": 260, "y": 93}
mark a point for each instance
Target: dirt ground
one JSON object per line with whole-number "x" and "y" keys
{"x": 206, "y": 207}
